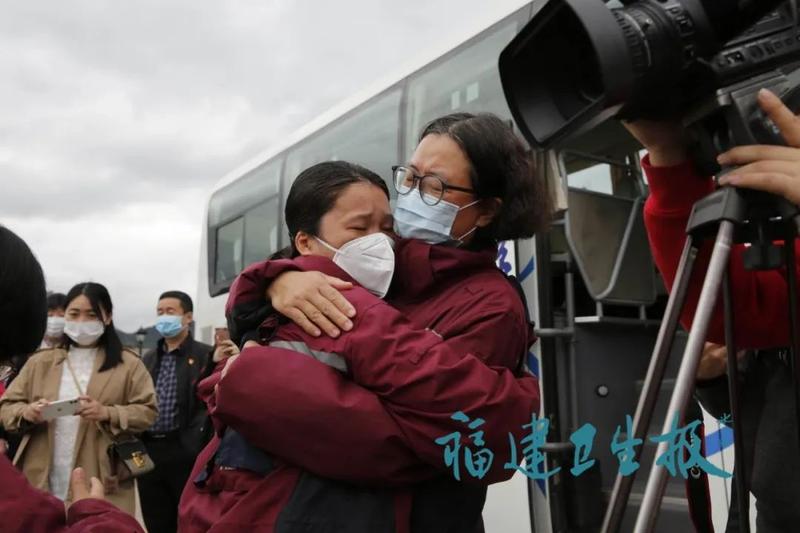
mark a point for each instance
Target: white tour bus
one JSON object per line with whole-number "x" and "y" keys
{"x": 590, "y": 283}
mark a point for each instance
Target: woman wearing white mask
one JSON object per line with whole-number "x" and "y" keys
{"x": 341, "y": 225}
{"x": 114, "y": 392}
{"x": 54, "y": 334}
{"x": 469, "y": 184}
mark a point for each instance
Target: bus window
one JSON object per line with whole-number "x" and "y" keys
{"x": 368, "y": 137}
{"x": 596, "y": 178}
{"x": 261, "y": 231}
{"x": 242, "y": 219}
{"x": 467, "y": 81}
{"x": 606, "y": 176}
{"x": 249, "y": 190}
{"x": 229, "y": 250}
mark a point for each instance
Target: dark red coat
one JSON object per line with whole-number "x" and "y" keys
{"x": 24, "y": 509}
{"x": 376, "y": 426}
{"x": 761, "y": 298}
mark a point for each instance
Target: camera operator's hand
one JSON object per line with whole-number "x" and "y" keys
{"x": 774, "y": 169}
{"x": 664, "y": 141}
{"x": 714, "y": 361}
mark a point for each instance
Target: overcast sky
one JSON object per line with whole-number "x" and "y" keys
{"x": 117, "y": 118}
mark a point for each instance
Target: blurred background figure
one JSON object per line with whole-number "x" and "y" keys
{"x": 53, "y": 337}
{"x": 182, "y": 427}
{"x": 115, "y": 392}
{"x": 224, "y": 347}
{"x": 54, "y": 334}
{"x": 23, "y": 313}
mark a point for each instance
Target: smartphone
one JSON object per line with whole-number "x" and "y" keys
{"x": 221, "y": 334}
{"x": 62, "y": 408}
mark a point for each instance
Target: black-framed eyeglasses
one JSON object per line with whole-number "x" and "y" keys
{"x": 431, "y": 188}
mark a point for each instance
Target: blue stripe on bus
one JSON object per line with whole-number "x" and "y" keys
{"x": 718, "y": 441}
{"x": 527, "y": 271}
{"x": 533, "y": 364}
{"x": 502, "y": 254}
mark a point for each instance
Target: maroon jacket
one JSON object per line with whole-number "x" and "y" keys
{"x": 25, "y": 509}
{"x": 378, "y": 424}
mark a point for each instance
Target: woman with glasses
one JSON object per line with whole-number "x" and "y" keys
{"x": 469, "y": 185}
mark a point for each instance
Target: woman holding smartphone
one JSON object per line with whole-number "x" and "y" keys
{"x": 114, "y": 394}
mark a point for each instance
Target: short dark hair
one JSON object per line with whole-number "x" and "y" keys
{"x": 56, "y": 300}
{"x": 315, "y": 191}
{"x": 23, "y": 298}
{"x": 185, "y": 299}
{"x": 501, "y": 167}
{"x": 100, "y": 301}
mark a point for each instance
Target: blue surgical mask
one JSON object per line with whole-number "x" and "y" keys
{"x": 414, "y": 219}
{"x": 169, "y": 325}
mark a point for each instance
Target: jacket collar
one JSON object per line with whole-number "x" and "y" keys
{"x": 183, "y": 349}
{"x": 420, "y": 266}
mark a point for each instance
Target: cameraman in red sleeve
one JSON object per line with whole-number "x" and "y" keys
{"x": 760, "y": 300}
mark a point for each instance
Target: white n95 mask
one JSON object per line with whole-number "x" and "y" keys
{"x": 369, "y": 260}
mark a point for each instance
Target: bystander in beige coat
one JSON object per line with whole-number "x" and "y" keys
{"x": 126, "y": 390}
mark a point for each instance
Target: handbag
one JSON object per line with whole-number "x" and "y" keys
{"x": 129, "y": 458}
{"x": 128, "y": 455}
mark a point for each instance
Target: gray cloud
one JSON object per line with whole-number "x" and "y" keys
{"x": 116, "y": 119}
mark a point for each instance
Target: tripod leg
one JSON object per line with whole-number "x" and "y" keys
{"x": 791, "y": 280}
{"x": 684, "y": 383}
{"x": 741, "y": 479}
{"x": 655, "y": 375}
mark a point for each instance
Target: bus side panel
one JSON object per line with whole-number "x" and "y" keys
{"x": 209, "y": 312}
{"x": 510, "y": 506}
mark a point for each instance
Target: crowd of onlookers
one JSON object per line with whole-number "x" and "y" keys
{"x": 147, "y": 402}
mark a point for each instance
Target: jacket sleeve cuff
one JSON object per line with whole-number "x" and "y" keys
{"x": 117, "y": 420}
{"x": 675, "y": 188}
{"x": 247, "y": 303}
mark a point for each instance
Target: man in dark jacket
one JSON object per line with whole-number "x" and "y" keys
{"x": 181, "y": 429}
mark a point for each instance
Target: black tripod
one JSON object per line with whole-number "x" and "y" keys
{"x": 733, "y": 216}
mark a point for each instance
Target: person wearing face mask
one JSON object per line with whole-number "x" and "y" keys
{"x": 114, "y": 390}
{"x": 54, "y": 334}
{"x": 181, "y": 430}
{"x": 469, "y": 184}
{"x": 23, "y": 508}
{"x": 53, "y": 337}
{"x": 339, "y": 219}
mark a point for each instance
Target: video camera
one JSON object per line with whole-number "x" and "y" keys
{"x": 578, "y": 63}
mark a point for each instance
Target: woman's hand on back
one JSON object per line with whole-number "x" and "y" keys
{"x": 312, "y": 301}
